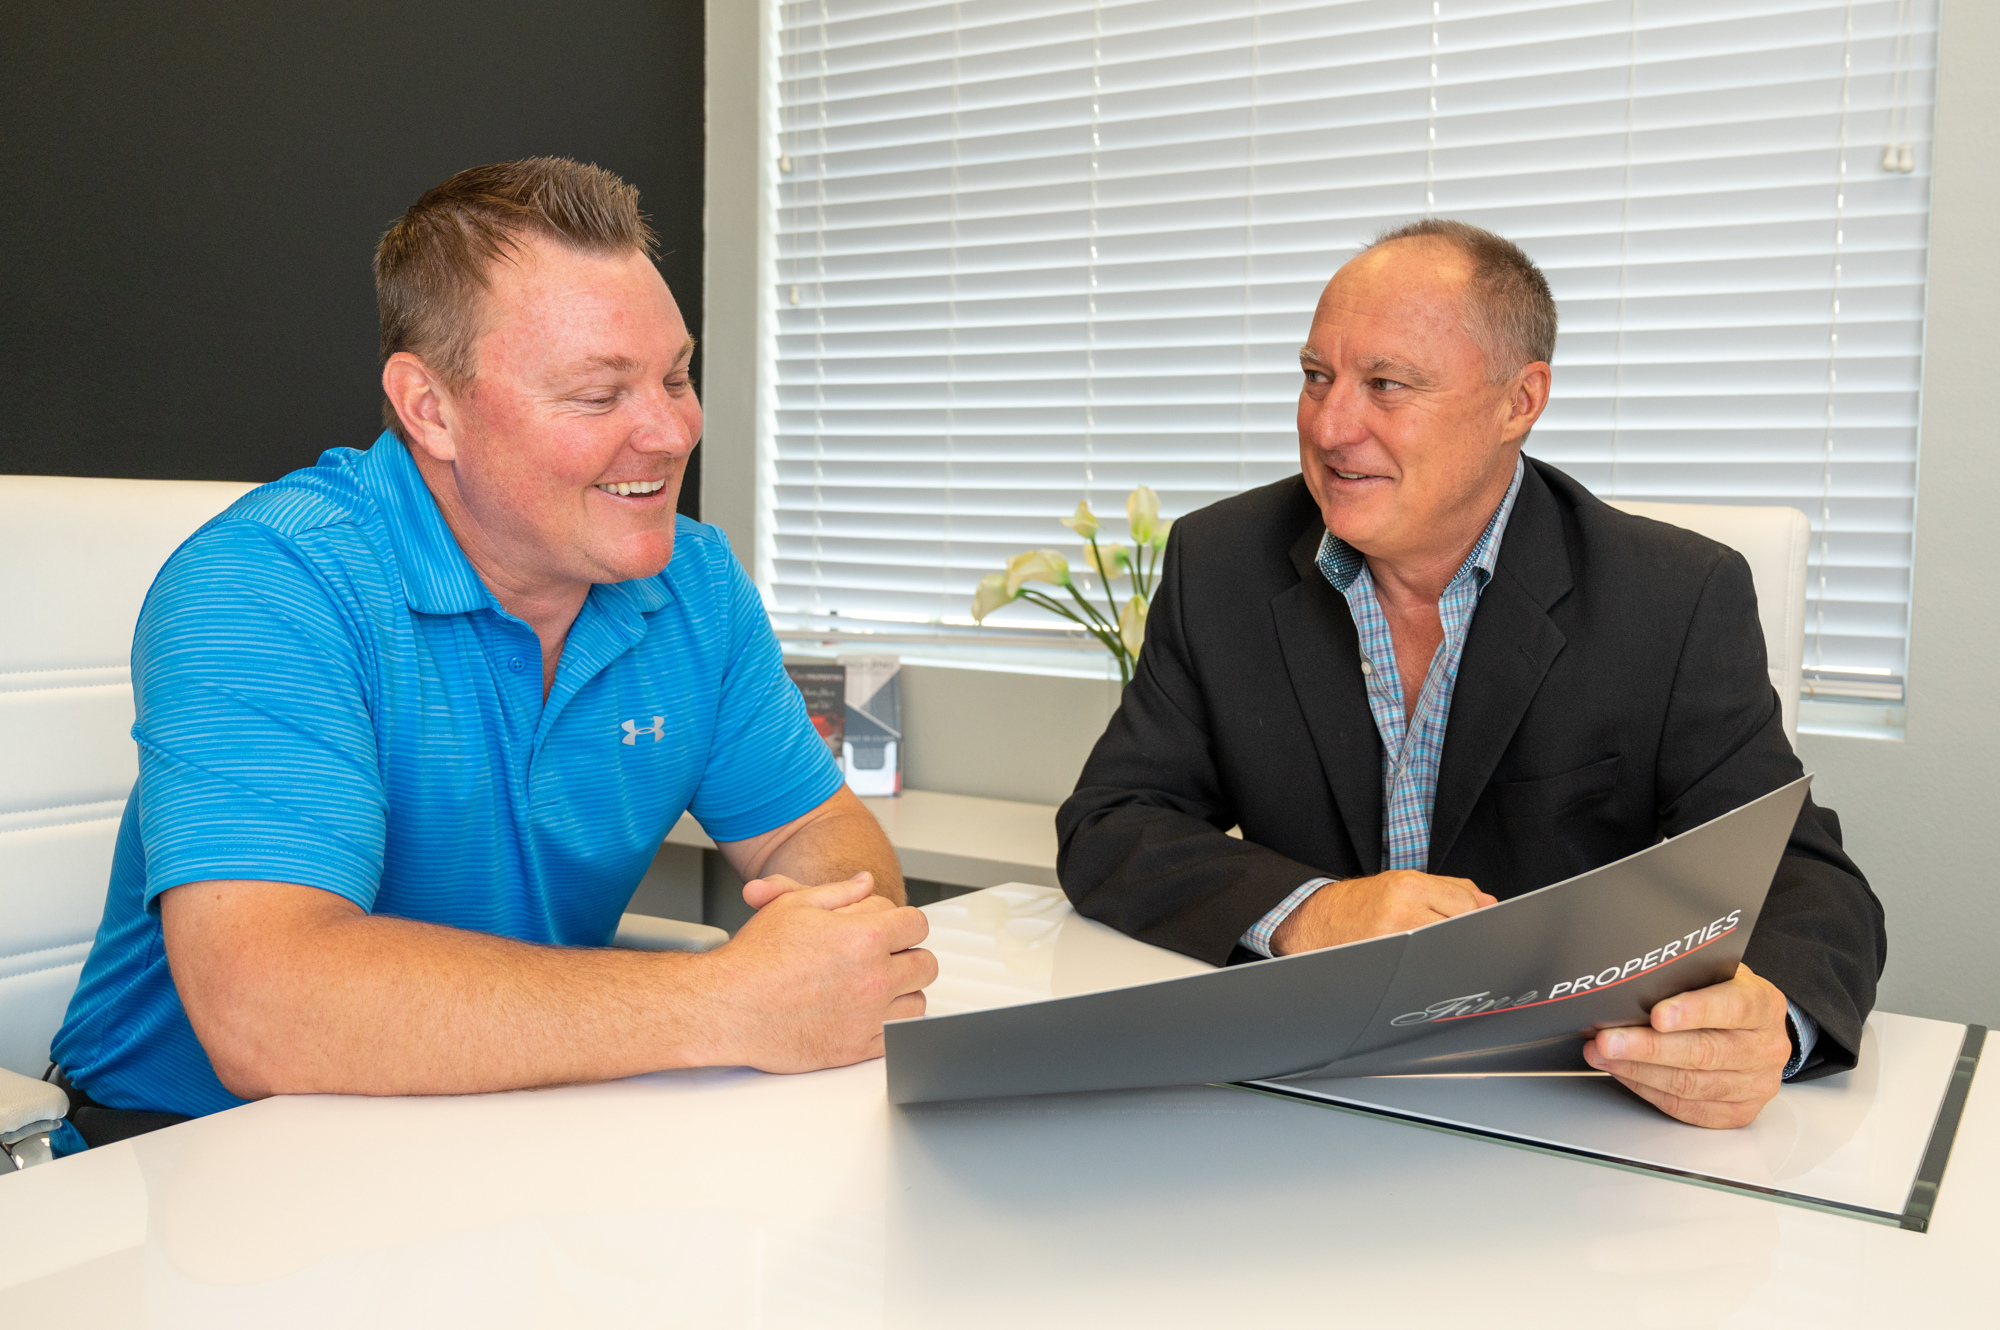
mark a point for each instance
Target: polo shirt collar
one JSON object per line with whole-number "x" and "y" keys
{"x": 437, "y": 577}
{"x": 641, "y": 595}
{"x": 1342, "y": 563}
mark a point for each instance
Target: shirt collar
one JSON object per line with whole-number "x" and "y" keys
{"x": 1342, "y": 563}
{"x": 437, "y": 577}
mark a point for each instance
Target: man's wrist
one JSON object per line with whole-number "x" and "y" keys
{"x": 1804, "y": 1031}
{"x": 1261, "y": 937}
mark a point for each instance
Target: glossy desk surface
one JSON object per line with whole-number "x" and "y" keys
{"x": 729, "y": 1198}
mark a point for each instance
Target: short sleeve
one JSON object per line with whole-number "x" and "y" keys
{"x": 767, "y": 765}
{"x": 257, "y": 749}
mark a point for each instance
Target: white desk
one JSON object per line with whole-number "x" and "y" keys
{"x": 951, "y": 838}
{"x": 727, "y": 1198}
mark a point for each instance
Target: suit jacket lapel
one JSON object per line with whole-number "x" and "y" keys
{"x": 1508, "y": 651}
{"x": 1322, "y": 655}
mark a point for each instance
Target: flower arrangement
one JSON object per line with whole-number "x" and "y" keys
{"x": 1122, "y": 630}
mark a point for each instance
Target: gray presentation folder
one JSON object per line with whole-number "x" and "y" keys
{"x": 1517, "y": 986}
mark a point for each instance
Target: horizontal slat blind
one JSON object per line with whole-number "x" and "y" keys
{"x": 1030, "y": 251}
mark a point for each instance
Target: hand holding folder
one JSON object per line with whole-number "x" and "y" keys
{"x": 1517, "y": 986}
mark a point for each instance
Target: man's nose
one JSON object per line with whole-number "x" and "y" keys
{"x": 1335, "y": 420}
{"x": 671, "y": 424}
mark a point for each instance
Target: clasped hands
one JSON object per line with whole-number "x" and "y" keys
{"x": 816, "y": 971}
{"x": 1713, "y": 1056}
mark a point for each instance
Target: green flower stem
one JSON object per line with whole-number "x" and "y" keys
{"x": 1092, "y": 619}
{"x": 1104, "y": 577}
{"x": 1055, "y": 606}
{"x": 1114, "y": 638}
{"x": 1111, "y": 641}
{"x": 1110, "y": 625}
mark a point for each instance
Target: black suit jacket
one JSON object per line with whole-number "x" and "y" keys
{"x": 1612, "y": 691}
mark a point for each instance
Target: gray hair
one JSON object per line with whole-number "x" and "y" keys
{"x": 1510, "y": 313}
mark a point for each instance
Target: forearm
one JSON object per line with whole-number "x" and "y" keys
{"x": 1166, "y": 876}
{"x": 362, "y": 1004}
{"x": 831, "y": 844}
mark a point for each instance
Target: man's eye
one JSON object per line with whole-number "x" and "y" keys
{"x": 1389, "y": 383}
{"x": 1314, "y": 376}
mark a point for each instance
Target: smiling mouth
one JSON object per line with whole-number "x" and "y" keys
{"x": 627, "y": 488}
{"x": 1353, "y": 475}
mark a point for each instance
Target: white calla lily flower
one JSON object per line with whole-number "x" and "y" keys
{"x": 1084, "y": 522}
{"x": 1094, "y": 609}
{"x": 1117, "y": 560}
{"x": 1142, "y": 510}
{"x": 992, "y": 594}
{"x": 1132, "y": 625}
{"x": 1036, "y": 566}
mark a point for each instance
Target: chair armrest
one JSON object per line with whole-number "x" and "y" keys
{"x": 27, "y": 1103}
{"x": 645, "y": 932}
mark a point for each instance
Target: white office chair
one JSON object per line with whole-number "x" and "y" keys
{"x": 76, "y": 558}
{"x": 1775, "y": 542}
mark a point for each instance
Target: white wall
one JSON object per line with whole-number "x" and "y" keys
{"x": 1915, "y": 811}
{"x": 730, "y": 192}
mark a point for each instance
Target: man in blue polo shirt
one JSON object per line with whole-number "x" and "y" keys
{"x": 413, "y": 721}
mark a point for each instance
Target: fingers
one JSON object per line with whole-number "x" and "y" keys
{"x": 904, "y": 1008}
{"x": 1416, "y": 899}
{"x": 1720, "y": 1114}
{"x": 1697, "y": 1050}
{"x": 911, "y": 971}
{"x": 1708, "y": 1077}
{"x": 1718, "y": 1064}
{"x": 1675, "y": 1089}
{"x": 1448, "y": 896}
{"x": 761, "y": 891}
{"x": 834, "y": 895}
{"x": 903, "y": 926}
{"x": 1743, "y": 1002}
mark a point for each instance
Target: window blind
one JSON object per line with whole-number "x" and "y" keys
{"x": 1031, "y": 251}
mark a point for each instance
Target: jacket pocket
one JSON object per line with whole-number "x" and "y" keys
{"x": 1552, "y": 795}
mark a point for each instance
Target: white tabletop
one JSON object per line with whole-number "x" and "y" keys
{"x": 728, "y": 1198}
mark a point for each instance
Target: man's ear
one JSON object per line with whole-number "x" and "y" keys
{"x": 1527, "y": 398}
{"x": 422, "y": 403}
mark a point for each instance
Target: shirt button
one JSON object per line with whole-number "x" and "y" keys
{"x": 517, "y": 665}
{"x": 1367, "y": 666}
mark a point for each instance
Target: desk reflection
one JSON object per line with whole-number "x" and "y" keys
{"x": 552, "y": 1219}
{"x": 1149, "y": 1207}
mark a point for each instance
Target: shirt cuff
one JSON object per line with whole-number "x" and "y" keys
{"x": 1805, "y": 1033}
{"x": 1258, "y": 939}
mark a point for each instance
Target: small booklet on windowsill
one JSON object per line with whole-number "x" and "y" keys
{"x": 1515, "y": 987}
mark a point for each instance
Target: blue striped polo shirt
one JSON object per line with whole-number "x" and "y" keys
{"x": 327, "y": 694}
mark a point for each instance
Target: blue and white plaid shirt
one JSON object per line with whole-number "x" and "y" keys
{"x": 1411, "y": 749}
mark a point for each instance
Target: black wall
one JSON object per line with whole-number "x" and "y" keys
{"x": 191, "y": 192}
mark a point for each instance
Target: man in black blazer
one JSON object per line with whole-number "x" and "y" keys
{"x": 1555, "y": 684}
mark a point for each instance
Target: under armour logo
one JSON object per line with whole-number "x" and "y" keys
{"x": 658, "y": 729}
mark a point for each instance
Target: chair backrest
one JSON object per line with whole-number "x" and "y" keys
{"x": 1774, "y": 541}
{"x": 76, "y": 557}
